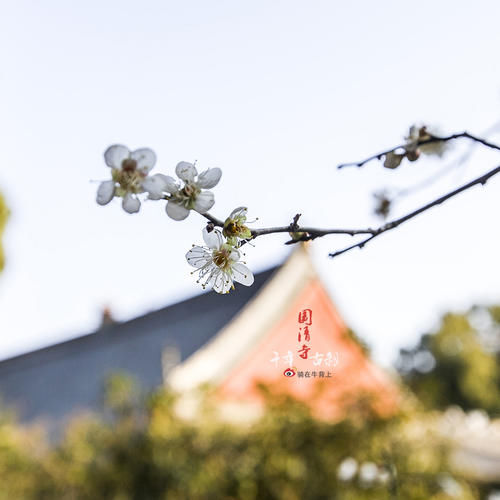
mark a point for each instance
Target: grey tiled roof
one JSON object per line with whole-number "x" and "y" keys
{"x": 61, "y": 379}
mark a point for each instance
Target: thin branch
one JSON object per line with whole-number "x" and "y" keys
{"x": 310, "y": 233}
{"x": 432, "y": 139}
{"x": 213, "y": 220}
{"x": 397, "y": 222}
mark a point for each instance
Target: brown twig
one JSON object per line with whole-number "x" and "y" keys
{"x": 294, "y": 227}
{"x": 397, "y": 222}
{"x": 432, "y": 139}
{"x": 310, "y": 233}
{"x": 213, "y": 220}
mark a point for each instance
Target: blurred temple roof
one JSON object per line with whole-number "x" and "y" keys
{"x": 59, "y": 380}
{"x": 229, "y": 341}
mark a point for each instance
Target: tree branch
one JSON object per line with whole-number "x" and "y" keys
{"x": 310, "y": 233}
{"x": 213, "y": 220}
{"x": 397, "y": 222}
{"x": 294, "y": 227}
{"x": 432, "y": 139}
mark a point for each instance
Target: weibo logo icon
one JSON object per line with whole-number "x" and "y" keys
{"x": 289, "y": 372}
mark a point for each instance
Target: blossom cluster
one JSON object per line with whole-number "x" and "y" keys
{"x": 218, "y": 263}
{"x": 130, "y": 177}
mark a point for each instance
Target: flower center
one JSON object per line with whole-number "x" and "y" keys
{"x": 129, "y": 165}
{"x": 236, "y": 228}
{"x": 221, "y": 258}
{"x": 129, "y": 178}
{"x": 187, "y": 195}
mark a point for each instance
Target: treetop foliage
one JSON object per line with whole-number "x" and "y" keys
{"x": 141, "y": 450}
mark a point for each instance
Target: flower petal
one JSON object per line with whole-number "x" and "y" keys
{"x": 145, "y": 158}
{"x": 437, "y": 148}
{"x": 172, "y": 185}
{"x": 209, "y": 178}
{"x": 186, "y": 171}
{"x": 221, "y": 283}
{"x": 131, "y": 204}
{"x": 213, "y": 239}
{"x": 242, "y": 274}
{"x": 235, "y": 255}
{"x": 204, "y": 202}
{"x": 114, "y": 155}
{"x": 198, "y": 257}
{"x": 238, "y": 212}
{"x": 155, "y": 185}
{"x": 105, "y": 192}
{"x": 176, "y": 211}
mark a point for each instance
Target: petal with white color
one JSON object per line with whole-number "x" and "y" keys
{"x": 204, "y": 202}
{"x": 131, "y": 204}
{"x": 114, "y": 155}
{"x": 176, "y": 211}
{"x": 222, "y": 283}
{"x": 242, "y": 274}
{"x": 172, "y": 185}
{"x": 198, "y": 257}
{"x": 145, "y": 158}
{"x": 213, "y": 239}
{"x": 209, "y": 178}
{"x": 235, "y": 255}
{"x": 155, "y": 185}
{"x": 238, "y": 212}
{"x": 105, "y": 192}
{"x": 186, "y": 171}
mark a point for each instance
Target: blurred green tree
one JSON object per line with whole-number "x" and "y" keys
{"x": 141, "y": 449}
{"x": 459, "y": 364}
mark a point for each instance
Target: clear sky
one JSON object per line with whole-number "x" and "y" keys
{"x": 275, "y": 93}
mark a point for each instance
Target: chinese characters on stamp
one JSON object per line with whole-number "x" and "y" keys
{"x": 304, "y": 351}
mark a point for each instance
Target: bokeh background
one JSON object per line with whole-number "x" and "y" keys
{"x": 276, "y": 94}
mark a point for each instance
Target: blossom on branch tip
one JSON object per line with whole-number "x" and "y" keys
{"x": 190, "y": 196}
{"x": 423, "y": 133}
{"x": 234, "y": 226}
{"x": 129, "y": 171}
{"x": 218, "y": 263}
{"x": 414, "y": 147}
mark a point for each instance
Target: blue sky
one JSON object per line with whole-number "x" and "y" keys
{"x": 275, "y": 93}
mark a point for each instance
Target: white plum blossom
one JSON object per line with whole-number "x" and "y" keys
{"x": 218, "y": 263}
{"x": 129, "y": 170}
{"x": 414, "y": 147}
{"x": 234, "y": 226}
{"x": 190, "y": 196}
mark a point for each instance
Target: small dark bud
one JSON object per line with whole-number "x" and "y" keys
{"x": 383, "y": 204}
{"x": 413, "y": 155}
